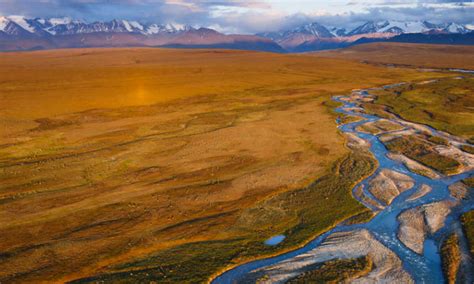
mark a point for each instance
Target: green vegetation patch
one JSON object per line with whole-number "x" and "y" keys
{"x": 368, "y": 128}
{"x": 335, "y": 271}
{"x": 469, "y": 181}
{"x": 467, "y": 220}
{"x": 348, "y": 118}
{"x": 447, "y": 104}
{"x": 422, "y": 152}
{"x": 438, "y": 140}
{"x": 451, "y": 258}
{"x": 387, "y": 125}
{"x": 363, "y": 217}
{"x": 378, "y": 110}
{"x": 468, "y": 149}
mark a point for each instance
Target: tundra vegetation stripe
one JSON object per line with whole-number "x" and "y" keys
{"x": 451, "y": 256}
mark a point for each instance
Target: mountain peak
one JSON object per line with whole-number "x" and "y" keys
{"x": 3, "y": 23}
{"x": 20, "y": 33}
{"x": 314, "y": 29}
{"x": 22, "y": 22}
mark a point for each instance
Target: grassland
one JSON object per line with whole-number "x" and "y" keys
{"x": 446, "y": 104}
{"x": 422, "y": 152}
{"x": 143, "y": 164}
{"x": 451, "y": 258}
{"x": 305, "y": 212}
{"x": 409, "y": 55}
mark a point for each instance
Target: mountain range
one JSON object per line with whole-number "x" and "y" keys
{"x": 21, "y": 33}
{"x": 314, "y": 36}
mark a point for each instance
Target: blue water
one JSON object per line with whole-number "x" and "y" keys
{"x": 273, "y": 241}
{"x": 424, "y": 268}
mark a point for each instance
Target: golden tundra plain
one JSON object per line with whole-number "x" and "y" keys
{"x": 171, "y": 165}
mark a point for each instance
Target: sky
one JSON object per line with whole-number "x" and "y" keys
{"x": 246, "y": 16}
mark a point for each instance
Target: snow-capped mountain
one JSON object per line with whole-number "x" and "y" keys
{"x": 456, "y": 28}
{"x": 314, "y": 29}
{"x": 315, "y": 36}
{"x": 399, "y": 27}
{"x": 16, "y": 25}
{"x": 20, "y": 33}
{"x": 299, "y": 35}
{"x": 338, "y": 32}
{"x": 309, "y": 31}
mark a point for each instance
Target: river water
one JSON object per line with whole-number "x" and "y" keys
{"x": 384, "y": 226}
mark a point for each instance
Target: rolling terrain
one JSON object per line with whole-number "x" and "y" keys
{"x": 140, "y": 164}
{"x": 407, "y": 55}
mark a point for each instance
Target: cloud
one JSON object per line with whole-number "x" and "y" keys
{"x": 246, "y": 16}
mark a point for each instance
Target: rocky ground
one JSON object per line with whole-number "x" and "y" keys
{"x": 389, "y": 184}
{"x": 420, "y": 192}
{"x": 412, "y": 229}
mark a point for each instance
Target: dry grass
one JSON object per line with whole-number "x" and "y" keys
{"x": 446, "y": 104}
{"x": 45, "y": 83}
{"x": 407, "y": 54}
{"x": 451, "y": 258}
{"x": 112, "y": 155}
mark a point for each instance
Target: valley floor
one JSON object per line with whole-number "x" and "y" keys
{"x": 143, "y": 164}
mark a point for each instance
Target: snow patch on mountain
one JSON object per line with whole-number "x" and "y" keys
{"x": 456, "y": 28}
{"x": 337, "y": 32}
{"x": 22, "y": 22}
{"x": 314, "y": 29}
{"x": 153, "y": 29}
{"x": 406, "y": 27}
{"x": 136, "y": 25}
{"x": 127, "y": 26}
{"x": 3, "y": 23}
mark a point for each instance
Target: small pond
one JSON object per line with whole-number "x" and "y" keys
{"x": 273, "y": 241}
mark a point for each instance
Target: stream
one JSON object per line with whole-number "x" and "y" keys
{"x": 384, "y": 226}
